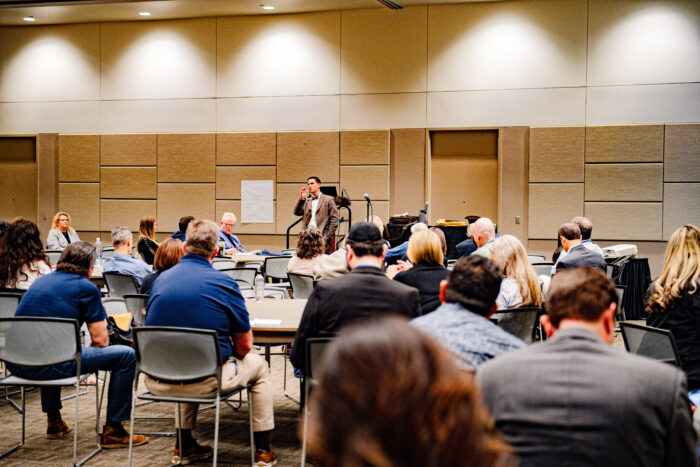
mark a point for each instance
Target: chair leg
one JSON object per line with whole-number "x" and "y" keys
{"x": 216, "y": 428}
{"x": 284, "y": 384}
{"x": 99, "y": 398}
{"x": 249, "y": 393}
{"x": 133, "y": 415}
{"x": 17, "y": 446}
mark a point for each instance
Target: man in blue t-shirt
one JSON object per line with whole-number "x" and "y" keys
{"x": 193, "y": 294}
{"x": 67, "y": 293}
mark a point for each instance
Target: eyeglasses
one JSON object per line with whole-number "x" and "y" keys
{"x": 230, "y": 225}
{"x": 63, "y": 220}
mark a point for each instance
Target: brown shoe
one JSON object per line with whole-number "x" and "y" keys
{"x": 264, "y": 458}
{"x": 113, "y": 438}
{"x": 57, "y": 428}
{"x": 193, "y": 453}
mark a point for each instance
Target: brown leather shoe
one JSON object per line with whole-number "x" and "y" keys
{"x": 56, "y": 428}
{"x": 113, "y": 438}
{"x": 264, "y": 458}
{"x": 193, "y": 453}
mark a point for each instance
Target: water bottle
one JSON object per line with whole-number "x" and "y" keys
{"x": 98, "y": 248}
{"x": 222, "y": 248}
{"x": 259, "y": 288}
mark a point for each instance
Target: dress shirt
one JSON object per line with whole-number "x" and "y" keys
{"x": 127, "y": 264}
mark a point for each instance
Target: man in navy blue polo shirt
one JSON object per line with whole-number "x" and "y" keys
{"x": 67, "y": 293}
{"x": 193, "y": 294}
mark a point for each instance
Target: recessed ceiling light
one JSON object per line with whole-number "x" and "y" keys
{"x": 29, "y": 18}
{"x": 144, "y": 13}
{"x": 267, "y": 7}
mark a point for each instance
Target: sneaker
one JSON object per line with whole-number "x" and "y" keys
{"x": 193, "y": 453}
{"x": 56, "y": 429}
{"x": 113, "y": 438}
{"x": 264, "y": 458}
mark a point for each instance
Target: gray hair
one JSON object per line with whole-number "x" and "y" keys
{"x": 121, "y": 235}
{"x": 418, "y": 226}
{"x": 228, "y": 215}
{"x": 585, "y": 225}
{"x": 484, "y": 226}
{"x": 202, "y": 237}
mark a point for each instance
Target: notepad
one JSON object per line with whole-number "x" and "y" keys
{"x": 260, "y": 322}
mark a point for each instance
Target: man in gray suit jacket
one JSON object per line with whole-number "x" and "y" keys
{"x": 577, "y": 255}
{"x": 576, "y": 401}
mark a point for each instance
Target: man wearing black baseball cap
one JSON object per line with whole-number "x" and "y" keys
{"x": 363, "y": 293}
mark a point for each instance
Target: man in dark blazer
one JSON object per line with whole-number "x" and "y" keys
{"x": 577, "y": 255}
{"x": 318, "y": 210}
{"x": 363, "y": 293}
{"x": 577, "y": 401}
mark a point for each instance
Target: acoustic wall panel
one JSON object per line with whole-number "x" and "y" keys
{"x": 50, "y": 117}
{"x": 185, "y": 199}
{"x": 293, "y": 113}
{"x": 384, "y": 50}
{"x": 79, "y": 158}
{"x": 370, "y": 111}
{"x": 186, "y": 158}
{"x": 82, "y": 202}
{"x": 127, "y": 213}
{"x": 512, "y": 182}
{"x": 228, "y": 179}
{"x": 629, "y": 143}
{"x": 552, "y": 204}
{"x": 246, "y": 148}
{"x": 372, "y": 179}
{"x": 234, "y": 206}
{"x": 152, "y": 116}
{"x": 556, "y": 154}
{"x": 301, "y": 155}
{"x": 681, "y": 206}
{"x": 364, "y": 147}
{"x": 624, "y": 182}
{"x": 625, "y": 221}
{"x": 128, "y": 150}
{"x": 128, "y": 182}
{"x": 407, "y": 170}
{"x": 682, "y": 153}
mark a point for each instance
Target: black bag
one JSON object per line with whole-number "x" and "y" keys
{"x": 117, "y": 336}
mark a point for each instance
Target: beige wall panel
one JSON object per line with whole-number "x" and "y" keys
{"x": 493, "y": 45}
{"x": 370, "y": 111}
{"x": 372, "y": 179}
{"x": 681, "y": 206}
{"x": 18, "y": 191}
{"x": 50, "y": 63}
{"x": 185, "y": 199}
{"x": 359, "y": 213}
{"x": 50, "y": 117}
{"x": 287, "y": 197}
{"x": 186, "y": 158}
{"x": 632, "y": 143}
{"x": 79, "y": 158}
{"x": 128, "y": 149}
{"x": 624, "y": 182}
{"x": 384, "y": 50}
{"x": 278, "y": 55}
{"x": 47, "y": 176}
{"x": 228, "y": 179}
{"x": 223, "y": 206}
{"x": 82, "y": 202}
{"x": 127, "y": 213}
{"x": 293, "y": 113}
{"x": 169, "y": 116}
{"x": 625, "y": 221}
{"x": 246, "y": 148}
{"x": 364, "y": 147}
{"x": 682, "y": 153}
{"x": 643, "y": 42}
{"x": 128, "y": 182}
{"x": 301, "y": 155}
{"x": 529, "y": 107}
{"x": 512, "y": 185}
{"x": 407, "y": 170}
{"x": 261, "y": 242}
{"x": 556, "y": 154}
{"x": 550, "y": 205}
{"x": 669, "y": 103}
{"x": 158, "y": 59}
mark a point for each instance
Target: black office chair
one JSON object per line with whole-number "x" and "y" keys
{"x": 136, "y": 304}
{"x": 522, "y": 322}
{"x": 651, "y": 342}
{"x": 543, "y": 269}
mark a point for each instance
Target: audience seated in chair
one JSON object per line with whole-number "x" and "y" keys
{"x": 586, "y": 228}
{"x": 576, "y": 400}
{"x": 182, "y": 225}
{"x": 394, "y": 254}
{"x": 577, "y": 254}
{"x": 147, "y": 244}
{"x": 22, "y": 258}
{"x": 122, "y": 261}
{"x": 168, "y": 255}
{"x": 61, "y": 234}
{"x": 309, "y": 252}
{"x": 460, "y": 324}
{"x": 520, "y": 286}
{"x": 484, "y": 234}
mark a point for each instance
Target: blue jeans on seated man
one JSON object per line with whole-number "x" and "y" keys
{"x": 120, "y": 360}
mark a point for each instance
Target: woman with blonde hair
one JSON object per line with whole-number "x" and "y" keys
{"x": 520, "y": 286}
{"x": 674, "y": 303}
{"x": 61, "y": 234}
{"x": 147, "y": 244}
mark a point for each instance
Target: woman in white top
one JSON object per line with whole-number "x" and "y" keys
{"x": 309, "y": 252}
{"x": 22, "y": 257}
{"x": 61, "y": 234}
{"x": 520, "y": 286}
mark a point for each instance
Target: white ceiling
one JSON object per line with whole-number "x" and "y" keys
{"x": 12, "y": 12}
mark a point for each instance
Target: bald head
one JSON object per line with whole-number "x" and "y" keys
{"x": 483, "y": 231}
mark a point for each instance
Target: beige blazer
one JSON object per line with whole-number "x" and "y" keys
{"x": 326, "y": 214}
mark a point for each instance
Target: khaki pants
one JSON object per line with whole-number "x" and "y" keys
{"x": 251, "y": 369}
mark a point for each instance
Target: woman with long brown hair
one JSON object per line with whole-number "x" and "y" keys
{"x": 674, "y": 303}
{"x": 168, "y": 255}
{"x": 147, "y": 244}
{"x": 61, "y": 234}
{"x": 388, "y": 394}
{"x": 520, "y": 286}
{"x": 309, "y": 252}
{"x": 22, "y": 257}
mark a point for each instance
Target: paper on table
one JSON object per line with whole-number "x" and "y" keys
{"x": 266, "y": 322}
{"x": 256, "y": 201}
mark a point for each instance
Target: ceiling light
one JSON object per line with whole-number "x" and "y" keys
{"x": 29, "y": 18}
{"x": 144, "y": 13}
{"x": 267, "y": 7}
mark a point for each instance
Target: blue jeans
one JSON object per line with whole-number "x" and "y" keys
{"x": 119, "y": 359}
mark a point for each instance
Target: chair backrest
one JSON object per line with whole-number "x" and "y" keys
{"x": 651, "y": 342}
{"x": 276, "y": 267}
{"x": 119, "y": 284}
{"x": 536, "y": 258}
{"x": 114, "y": 306}
{"x": 223, "y": 263}
{"x": 244, "y": 276}
{"x": 543, "y": 269}
{"x": 107, "y": 252}
{"x": 54, "y": 256}
{"x": 620, "y": 289}
{"x": 136, "y": 304}
{"x": 609, "y": 269}
{"x": 33, "y": 342}
{"x": 521, "y": 322}
{"x": 302, "y": 285}
{"x": 177, "y": 354}
{"x": 315, "y": 349}
{"x": 9, "y": 301}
